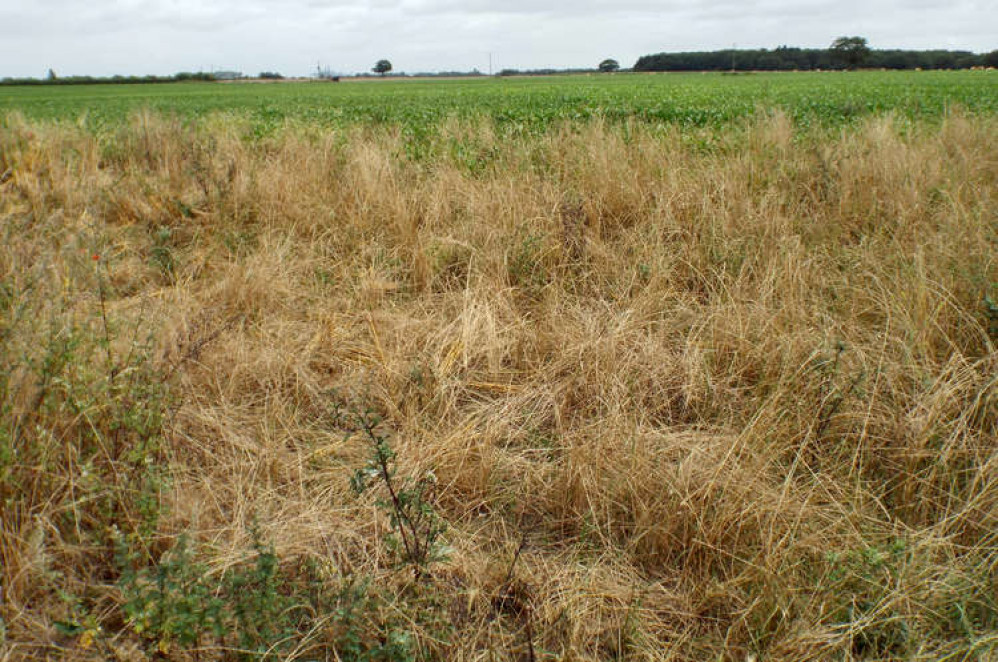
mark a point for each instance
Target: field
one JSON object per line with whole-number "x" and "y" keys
{"x": 621, "y": 368}
{"x": 519, "y": 104}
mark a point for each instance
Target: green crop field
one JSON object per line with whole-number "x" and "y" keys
{"x": 687, "y": 99}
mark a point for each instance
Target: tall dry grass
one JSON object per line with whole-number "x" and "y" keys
{"x": 728, "y": 398}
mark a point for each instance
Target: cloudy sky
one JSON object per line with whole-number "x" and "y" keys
{"x": 104, "y": 37}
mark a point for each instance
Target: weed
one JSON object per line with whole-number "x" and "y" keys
{"x": 408, "y": 504}
{"x": 525, "y": 266}
{"x": 101, "y": 410}
{"x": 254, "y": 608}
{"x": 864, "y": 579}
{"x": 451, "y": 263}
{"x": 161, "y": 253}
{"x": 832, "y": 391}
{"x": 169, "y": 603}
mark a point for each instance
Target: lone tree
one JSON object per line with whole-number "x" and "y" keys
{"x": 609, "y": 65}
{"x": 382, "y": 67}
{"x": 851, "y": 51}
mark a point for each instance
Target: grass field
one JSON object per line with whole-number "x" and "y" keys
{"x": 342, "y": 383}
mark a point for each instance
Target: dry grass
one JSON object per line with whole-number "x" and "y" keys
{"x": 737, "y": 397}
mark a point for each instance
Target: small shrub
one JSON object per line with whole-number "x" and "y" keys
{"x": 257, "y": 608}
{"x": 408, "y": 503}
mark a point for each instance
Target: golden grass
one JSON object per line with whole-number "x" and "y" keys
{"x": 737, "y": 396}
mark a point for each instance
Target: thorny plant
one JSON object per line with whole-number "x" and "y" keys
{"x": 408, "y": 504}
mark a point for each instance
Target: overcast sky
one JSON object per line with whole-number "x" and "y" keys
{"x": 104, "y": 37}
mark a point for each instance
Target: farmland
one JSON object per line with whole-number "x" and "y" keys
{"x": 528, "y": 103}
{"x": 593, "y": 368}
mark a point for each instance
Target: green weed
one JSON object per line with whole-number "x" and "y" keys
{"x": 408, "y": 504}
{"x": 864, "y": 579}
{"x": 261, "y": 608}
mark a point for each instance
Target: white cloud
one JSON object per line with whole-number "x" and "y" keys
{"x": 103, "y": 37}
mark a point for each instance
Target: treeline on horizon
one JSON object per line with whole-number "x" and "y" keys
{"x": 786, "y": 58}
{"x": 783, "y": 58}
{"x": 123, "y": 80}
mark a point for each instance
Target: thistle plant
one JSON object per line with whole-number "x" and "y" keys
{"x": 417, "y": 526}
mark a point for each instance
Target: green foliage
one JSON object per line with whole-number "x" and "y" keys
{"x": 850, "y": 51}
{"x": 525, "y": 265}
{"x": 256, "y": 607}
{"x": 82, "y": 408}
{"x": 81, "y": 416}
{"x": 53, "y": 79}
{"x": 869, "y": 602}
{"x": 609, "y": 65}
{"x": 382, "y": 67}
{"x": 863, "y": 580}
{"x": 351, "y": 609}
{"x": 169, "y": 602}
{"x": 176, "y": 601}
{"x": 523, "y": 104}
{"x": 790, "y": 58}
{"x": 408, "y": 504}
{"x": 969, "y": 605}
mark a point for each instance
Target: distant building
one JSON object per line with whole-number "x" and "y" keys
{"x": 227, "y": 75}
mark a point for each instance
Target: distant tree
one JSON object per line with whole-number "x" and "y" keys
{"x": 991, "y": 59}
{"x": 270, "y": 75}
{"x": 851, "y": 51}
{"x": 609, "y": 65}
{"x": 382, "y": 67}
{"x": 52, "y": 75}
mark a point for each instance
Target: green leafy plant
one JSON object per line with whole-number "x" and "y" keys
{"x": 416, "y": 524}
{"x": 179, "y": 602}
{"x": 82, "y": 403}
{"x": 261, "y": 608}
{"x": 169, "y": 602}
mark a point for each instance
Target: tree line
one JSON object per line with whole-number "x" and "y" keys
{"x": 844, "y": 53}
{"x": 786, "y": 58}
{"x": 53, "y": 79}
